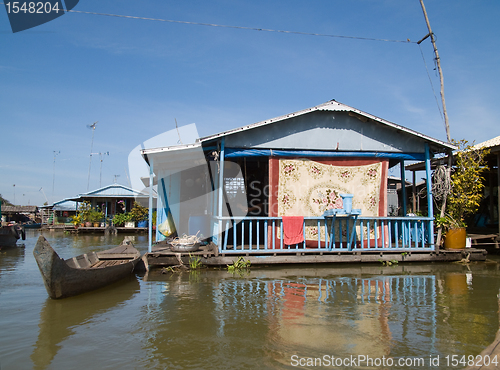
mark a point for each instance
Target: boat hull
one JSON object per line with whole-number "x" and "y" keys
{"x": 9, "y": 235}
{"x": 66, "y": 278}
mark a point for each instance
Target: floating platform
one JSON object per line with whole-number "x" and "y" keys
{"x": 162, "y": 256}
{"x": 102, "y": 230}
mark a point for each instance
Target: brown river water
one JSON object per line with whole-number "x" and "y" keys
{"x": 406, "y": 316}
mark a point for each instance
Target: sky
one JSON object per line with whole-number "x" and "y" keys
{"x": 138, "y": 77}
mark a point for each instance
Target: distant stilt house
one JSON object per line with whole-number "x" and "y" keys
{"x": 485, "y": 222}
{"x": 113, "y": 199}
{"x": 59, "y": 213}
{"x": 313, "y": 180}
{"x": 488, "y": 215}
{"x": 20, "y": 214}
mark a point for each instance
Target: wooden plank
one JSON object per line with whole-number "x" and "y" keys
{"x": 169, "y": 259}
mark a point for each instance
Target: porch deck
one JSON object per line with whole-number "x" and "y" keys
{"x": 162, "y": 256}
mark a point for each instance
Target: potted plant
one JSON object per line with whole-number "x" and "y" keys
{"x": 95, "y": 217}
{"x": 466, "y": 193}
{"x": 120, "y": 219}
{"x": 140, "y": 214}
{"x": 83, "y": 214}
{"x": 76, "y": 220}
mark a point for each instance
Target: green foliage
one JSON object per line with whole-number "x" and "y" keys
{"x": 77, "y": 219}
{"x": 447, "y": 222}
{"x": 84, "y": 211}
{"x": 4, "y": 201}
{"x": 194, "y": 262}
{"x": 238, "y": 265}
{"x": 139, "y": 213}
{"x": 121, "y": 218}
{"x": 96, "y": 216}
{"x": 467, "y": 182}
{"x": 389, "y": 263}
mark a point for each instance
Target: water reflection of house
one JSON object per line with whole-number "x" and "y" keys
{"x": 296, "y": 165}
{"x": 362, "y": 316}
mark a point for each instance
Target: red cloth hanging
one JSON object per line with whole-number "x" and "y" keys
{"x": 293, "y": 229}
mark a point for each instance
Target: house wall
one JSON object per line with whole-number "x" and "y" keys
{"x": 326, "y": 131}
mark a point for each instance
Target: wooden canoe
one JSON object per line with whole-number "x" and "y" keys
{"x": 65, "y": 278}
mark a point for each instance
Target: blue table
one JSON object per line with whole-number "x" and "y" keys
{"x": 333, "y": 214}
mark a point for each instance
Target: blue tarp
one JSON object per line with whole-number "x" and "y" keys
{"x": 235, "y": 153}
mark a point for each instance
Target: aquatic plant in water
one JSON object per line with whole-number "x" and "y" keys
{"x": 238, "y": 265}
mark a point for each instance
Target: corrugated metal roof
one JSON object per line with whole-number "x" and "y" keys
{"x": 114, "y": 190}
{"x": 65, "y": 205}
{"x": 489, "y": 143}
{"x": 332, "y": 106}
{"x": 19, "y": 209}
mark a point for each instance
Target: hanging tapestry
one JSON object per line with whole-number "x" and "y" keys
{"x": 309, "y": 188}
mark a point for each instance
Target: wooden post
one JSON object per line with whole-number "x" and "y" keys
{"x": 438, "y": 63}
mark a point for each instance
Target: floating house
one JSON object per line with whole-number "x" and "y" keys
{"x": 59, "y": 213}
{"x": 113, "y": 199}
{"x": 20, "y": 214}
{"x": 309, "y": 184}
{"x": 483, "y": 227}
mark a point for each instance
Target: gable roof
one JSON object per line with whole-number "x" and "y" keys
{"x": 492, "y": 144}
{"x": 19, "y": 209}
{"x": 113, "y": 190}
{"x": 334, "y": 106}
{"x": 65, "y": 205}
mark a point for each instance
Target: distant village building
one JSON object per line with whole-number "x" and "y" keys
{"x": 20, "y": 214}
{"x": 111, "y": 199}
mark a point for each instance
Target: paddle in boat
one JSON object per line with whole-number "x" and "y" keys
{"x": 65, "y": 278}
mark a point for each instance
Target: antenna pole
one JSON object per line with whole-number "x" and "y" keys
{"x": 100, "y": 170}
{"x": 438, "y": 62}
{"x": 56, "y": 152}
{"x": 91, "y": 147}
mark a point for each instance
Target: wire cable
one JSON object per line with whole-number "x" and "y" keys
{"x": 432, "y": 85}
{"x": 407, "y": 41}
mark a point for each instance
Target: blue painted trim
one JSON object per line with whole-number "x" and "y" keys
{"x": 235, "y": 153}
{"x": 403, "y": 186}
{"x": 221, "y": 189}
{"x": 150, "y": 222}
{"x": 429, "y": 193}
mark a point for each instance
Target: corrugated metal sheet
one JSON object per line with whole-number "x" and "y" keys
{"x": 489, "y": 143}
{"x": 19, "y": 209}
{"x": 339, "y": 107}
{"x": 65, "y": 205}
{"x": 114, "y": 190}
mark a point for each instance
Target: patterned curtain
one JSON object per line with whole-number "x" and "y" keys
{"x": 305, "y": 187}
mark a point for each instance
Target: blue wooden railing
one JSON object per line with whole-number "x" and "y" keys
{"x": 255, "y": 235}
